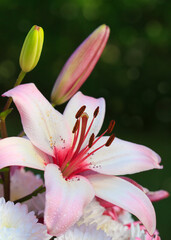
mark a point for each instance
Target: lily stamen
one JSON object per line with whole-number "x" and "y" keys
{"x": 91, "y": 140}
{"x": 76, "y": 156}
{"x": 110, "y": 140}
{"x": 76, "y": 126}
{"x": 80, "y": 112}
{"x": 96, "y": 112}
{"x": 108, "y": 130}
{"x": 111, "y": 126}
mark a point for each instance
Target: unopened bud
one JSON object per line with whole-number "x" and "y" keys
{"x": 79, "y": 65}
{"x": 32, "y": 48}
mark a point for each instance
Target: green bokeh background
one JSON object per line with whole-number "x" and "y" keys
{"x": 133, "y": 74}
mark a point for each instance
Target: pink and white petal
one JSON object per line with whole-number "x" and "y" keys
{"x": 65, "y": 200}
{"x": 133, "y": 182}
{"x": 44, "y": 126}
{"x": 156, "y": 195}
{"x": 122, "y": 157}
{"x": 21, "y": 152}
{"x": 125, "y": 195}
{"x": 76, "y": 102}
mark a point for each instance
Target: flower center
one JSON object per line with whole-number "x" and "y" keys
{"x": 75, "y": 160}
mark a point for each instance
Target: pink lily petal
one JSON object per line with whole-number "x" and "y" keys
{"x": 76, "y": 102}
{"x": 65, "y": 200}
{"x": 125, "y": 195}
{"x": 123, "y": 157}
{"x": 156, "y": 195}
{"x": 134, "y": 182}
{"x": 21, "y": 152}
{"x": 153, "y": 196}
{"x": 80, "y": 65}
{"x": 44, "y": 126}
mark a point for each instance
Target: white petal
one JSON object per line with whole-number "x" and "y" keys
{"x": 44, "y": 126}
{"x": 125, "y": 195}
{"x": 76, "y": 102}
{"x": 65, "y": 200}
{"x": 21, "y": 152}
{"x": 122, "y": 157}
{"x": 84, "y": 232}
{"x": 16, "y": 223}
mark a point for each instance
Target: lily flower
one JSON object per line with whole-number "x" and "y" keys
{"x": 77, "y": 164}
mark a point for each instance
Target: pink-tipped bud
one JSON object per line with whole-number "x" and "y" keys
{"x": 79, "y": 65}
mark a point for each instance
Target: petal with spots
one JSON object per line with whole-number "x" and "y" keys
{"x": 43, "y": 125}
{"x": 65, "y": 200}
{"x": 122, "y": 157}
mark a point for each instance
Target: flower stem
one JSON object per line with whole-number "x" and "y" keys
{"x": 40, "y": 189}
{"x": 18, "y": 81}
{"x": 6, "y": 174}
{"x": 3, "y": 128}
{"x": 6, "y": 181}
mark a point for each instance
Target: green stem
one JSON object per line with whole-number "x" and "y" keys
{"x": 6, "y": 181}
{"x": 40, "y": 189}
{"x": 6, "y": 174}
{"x": 3, "y": 128}
{"x": 18, "y": 81}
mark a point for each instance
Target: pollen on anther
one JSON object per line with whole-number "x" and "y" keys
{"x": 76, "y": 126}
{"x": 110, "y": 140}
{"x": 80, "y": 112}
{"x": 96, "y": 112}
{"x": 91, "y": 140}
{"x": 111, "y": 126}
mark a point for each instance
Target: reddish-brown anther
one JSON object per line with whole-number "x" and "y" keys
{"x": 80, "y": 112}
{"x": 110, "y": 140}
{"x": 91, "y": 140}
{"x": 111, "y": 126}
{"x": 96, "y": 112}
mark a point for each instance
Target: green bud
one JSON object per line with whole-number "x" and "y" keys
{"x": 32, "y": 48}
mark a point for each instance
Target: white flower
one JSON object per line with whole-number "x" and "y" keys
{"x": 136, "y": 232}
{"x": 23, "y": 183}
{"x": 84, "y": 232}
{"x": 125, "y": 218}
{"x": 93, "y": 214}
{"x": 17, "y": 224}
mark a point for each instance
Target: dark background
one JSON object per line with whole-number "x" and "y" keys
{"x": 133, "y": 74}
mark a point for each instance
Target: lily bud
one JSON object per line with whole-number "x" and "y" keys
{"x": 79, "y": 66}
{"x": 32, "y": 48}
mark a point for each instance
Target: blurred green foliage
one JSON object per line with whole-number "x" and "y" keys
{"x": 133, "y": 74}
